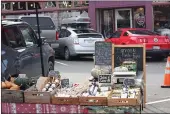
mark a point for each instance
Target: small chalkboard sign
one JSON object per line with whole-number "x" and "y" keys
{"x": 103, "y": 53}
{"x": 105, "y": 78}
{"x": 129, "y": 82}
{"x": 64, "y": 83}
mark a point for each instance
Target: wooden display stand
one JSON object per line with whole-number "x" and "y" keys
{"x": 136, "y": 52}
{"x": 114, "y": 56}
{"x": 107, "y": 54}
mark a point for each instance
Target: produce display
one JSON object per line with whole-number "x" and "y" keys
{"x": 72, "y": 91}
{"x": 96, "y": 90}
{"x": 97, "y": 70}
{"x": 125, "y": 93}
{"x": 121, "y": 69}
{"x": 51, "y": 85}
{"x": 10, "y": 84}
{"x": 102, "y": 93}
{"x": 127, "y": 66}
{"x": 92, "y": 90}
{"x": 131, "y": 65}
{"x": 22, "y": 80}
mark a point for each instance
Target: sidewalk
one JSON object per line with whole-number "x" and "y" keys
{"x": 163, "y": 107}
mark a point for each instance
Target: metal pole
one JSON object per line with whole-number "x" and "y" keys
{"x": 38, "y": 28}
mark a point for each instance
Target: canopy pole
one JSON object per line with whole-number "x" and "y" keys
{"x": 40, "y": 40}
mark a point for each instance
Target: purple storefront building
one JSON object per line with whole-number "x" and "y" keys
{"x": 108, "y": 16}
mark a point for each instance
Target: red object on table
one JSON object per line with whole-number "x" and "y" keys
{"x": 41, "y": 108}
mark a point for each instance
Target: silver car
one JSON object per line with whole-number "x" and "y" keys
{"x": 73, "y": 42}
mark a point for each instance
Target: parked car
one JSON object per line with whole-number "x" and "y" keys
{"x": 12, "y": 19}
{"x": 21, "y": 51}
{"x": 156, "y": 45}
{"x": 77, "y": 42}
{"x": 165, "y": 32}
{"x": 47, "y": 27}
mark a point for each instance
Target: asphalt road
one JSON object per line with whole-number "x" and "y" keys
{"x": 78, "y": 71}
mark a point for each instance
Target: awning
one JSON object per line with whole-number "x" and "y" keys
{"x": 160, "y": 3}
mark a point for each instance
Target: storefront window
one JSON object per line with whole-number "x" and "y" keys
{"x": 161, "y": 17}
{"x": 32, "y": 6}
{"x": 65, "y": 4}
{"x": 5, "y": 6}
{"x": 123, "y": 18}
{"x": 107, "y": 23}
{"x": 19, "y": 5}
{"x": 50, "y": 4}
{"x": 139, "y": 17}
{"x": 81, "y": 3}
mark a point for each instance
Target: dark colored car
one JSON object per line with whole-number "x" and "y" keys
{"x": 20, "y": 49}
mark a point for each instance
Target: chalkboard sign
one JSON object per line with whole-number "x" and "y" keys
{"x": 105, "y": 78}
{"x": 127, "y": 53}
{"x": 129, "y": 82}
{"x": 103, "y": 53}
{"x": 64, "y": 83}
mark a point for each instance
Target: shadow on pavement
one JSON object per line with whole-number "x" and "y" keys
{"x": 77, "y": 58}
{"x": 155, "y": 60}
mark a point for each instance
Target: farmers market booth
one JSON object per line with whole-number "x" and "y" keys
{"x": 116, "y": 85}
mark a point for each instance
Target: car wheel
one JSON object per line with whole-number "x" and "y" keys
{"x": 50, "y": 65}
{"x": 67, "y": 54}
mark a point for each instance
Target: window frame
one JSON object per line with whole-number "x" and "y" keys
{"x": 117, "y": 32}
{"x": 144, "y": 32}
{"x": 34, "y": 37}
{"x": 68, "y": 33}
{"x": 19, "y": 33}
{"x": 3, "y": 38}
{"x": 61, "y": 32}
{"x": 65, "y": 33}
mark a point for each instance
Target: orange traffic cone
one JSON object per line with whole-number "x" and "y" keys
{"x": 167, "y": 75}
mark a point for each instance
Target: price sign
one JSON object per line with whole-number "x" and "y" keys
{"x": 103, "y": 53}
{"x": 105, "y": 78}
{"x": 129, "y": 82}
{"x": 128, "y": 53}
{"x": 65, "y": 83}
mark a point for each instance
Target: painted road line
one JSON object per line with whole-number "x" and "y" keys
{"x": 61, "y": 63}
{"x": 159, "y": 101}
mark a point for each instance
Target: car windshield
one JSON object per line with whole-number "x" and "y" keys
{"x": 142, "y": 32}
{"x": 45, "y": 23}
{"x": 84, "y": 31}
{"x": 79, "y": 25}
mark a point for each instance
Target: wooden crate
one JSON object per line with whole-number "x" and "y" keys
{"x": 93, "y": 101}
{"x": 12, "y": 96}
{"x": 31, "y": 95}
{"x": 37, "y": 97}
{"x": 65, "y": 100}
{"x": 122, "y": 101}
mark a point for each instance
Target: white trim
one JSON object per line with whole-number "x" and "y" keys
{"x": 116, "y": 11}
{"x": 159, "y": 101}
